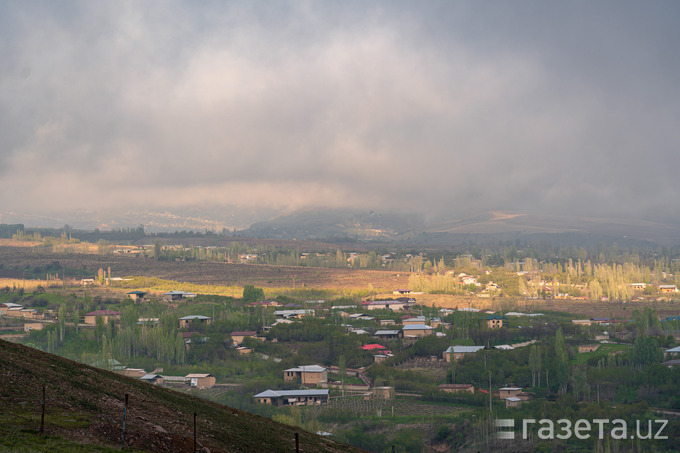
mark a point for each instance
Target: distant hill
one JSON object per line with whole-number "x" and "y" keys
{"x": 488, "y": 227}
{"x": 85, "y": 413}
{"x": 335, "y": 224}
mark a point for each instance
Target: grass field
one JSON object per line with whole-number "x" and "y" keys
{"x": 603, "y": 350}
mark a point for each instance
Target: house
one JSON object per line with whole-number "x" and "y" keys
{"x": 293, "y": 397}
{"x": 201, "y": 381}
{"x": 460, "y": 351}
{"x": 386, "y": 322}
{"x": 435, "y": 322}
{"x": 136, "y": 295}
{"x": 457, "y": 388}
{"x": 582, "y": 322}
{"x": 665, "y": 289}
{"x": 106, "y": 315}
{"x": 513, "y": 401}
{"x": 402, "y": 292}
{"x": 588, "y": 348}
{"x": 307, "y": 374}
{"x": 495, "y": 321}
{"x": 674, "y": 350}
{"x": 242, "y": 350}
{"x": 187, "y": 321}
{"x": 509, "y": 392}
{"x": 413, "y": 321}
{"x": 237, "y": 337}
{"x": 638, "y": 286}
{"x": 197, "y": 338}
{"x": 132, "y": 372}
{"x": 149, "y": 322}
{"x": 21, "y": 312}
{"x": 383, "y": 393}
{"x": 388, "y": 334}
{"x": 393, "y": 305}
{"x": 266, "y": 303}
{"x": 379, "y": 358}
{"x": 177, "y": 295}
{"x": 361, "y": 317}
{"x": 33, "y": 326}
{"x": 293, "y": 314}
{"x": 417, "y": 330}
{"x": 155, "y": 379}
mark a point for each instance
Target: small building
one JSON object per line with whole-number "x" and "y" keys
{"x": 155, "y": 379}
{"x": 201, "y": 380}
{"x": 457, "y": 388}
{"x": 393, "y": 305}
{"x": 386, "y": 322}
{"x": 509, "y": 392}
{"x": 172, "y": 296}
{"x": 33, "y": 326}
{"x": 106, "y": 315}
{"x": 307, "y": 374}
{"x": 588, "y": 348}
{"x": 383, "y": 393}
{"x": 293, "y": 397}
{"x": 187, "y": 321}
{"x": 459, "y": 352}
{"x": 379, "y": 358}
{"x": 666, "y": 289}
{"x": 417, "y": 330}
{"x": 513, "y": 401}
{"x": 238, "y": 337}
{"x": 582, "y": 322}
{"x": 193, "y": 337}
{"x": 136, "y": 295}
{"x": 242, "y": 350}
{"x": 494, "y": 321}
{"x": 132, "y": 372}
{"x": 293, "y": 314}
{"x": 418, "y": 320}
{"x": 388, "y": 334}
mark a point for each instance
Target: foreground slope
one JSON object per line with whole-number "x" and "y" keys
{"x": 85, "y": 406}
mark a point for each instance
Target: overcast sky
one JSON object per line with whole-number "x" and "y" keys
{"x": 452, "y": 106}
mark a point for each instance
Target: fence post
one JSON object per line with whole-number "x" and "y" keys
{"x": 297, "y": 443}
{"x": 194, "y": 432}
{"x": 122, "y": 439}
{"x": 42, "y": 417}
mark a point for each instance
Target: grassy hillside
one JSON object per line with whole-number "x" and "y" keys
{"x": 85, "y": 412}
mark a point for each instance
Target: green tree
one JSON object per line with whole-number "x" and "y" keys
{"x": 561, "y": 362}
{"x": 76, "y": 319}
{"x": 252, "y": 294}
{"x": 157, "y": 249}
{"x": 62, "y": 322}
{"x": 646, "y": 351}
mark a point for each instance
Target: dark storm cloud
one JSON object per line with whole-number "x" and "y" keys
{"x": 562, "y": 107}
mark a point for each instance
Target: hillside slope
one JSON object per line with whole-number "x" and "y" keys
{"x": 85, "y": 406}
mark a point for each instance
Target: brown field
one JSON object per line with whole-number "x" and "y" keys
{"x": 266, "y": 276}
{"x": 225, "y": 274}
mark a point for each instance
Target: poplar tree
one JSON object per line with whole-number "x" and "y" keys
{"x": 561, "y": 362}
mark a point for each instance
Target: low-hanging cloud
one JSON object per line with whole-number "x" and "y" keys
{"x": 432, "y": 107}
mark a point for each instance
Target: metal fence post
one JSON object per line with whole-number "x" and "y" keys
{"x": 122, "y": 439}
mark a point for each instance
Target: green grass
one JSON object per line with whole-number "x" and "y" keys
{"x": 602, "y": 351}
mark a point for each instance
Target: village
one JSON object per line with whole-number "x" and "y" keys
{"x": 499, "y": 341}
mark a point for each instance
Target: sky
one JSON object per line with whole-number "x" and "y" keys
{"x": 445, "y": 108}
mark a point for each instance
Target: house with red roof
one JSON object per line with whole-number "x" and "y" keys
{"x": 106, "y": 315}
